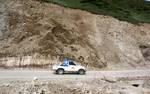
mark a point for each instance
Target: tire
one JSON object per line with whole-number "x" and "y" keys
{"x": 81, "y": 71}
{"x": 60, "y": 71}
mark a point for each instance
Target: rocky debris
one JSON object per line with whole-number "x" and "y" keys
{"x": 35, "y": 82}
{"x": 145, "y": 51}
{"x": 146, "y": 84}
{"x": 70, "y": 86}
{"x": 110, "y": 79}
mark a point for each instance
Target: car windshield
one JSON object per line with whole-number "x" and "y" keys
{"x": 72, "y": 63}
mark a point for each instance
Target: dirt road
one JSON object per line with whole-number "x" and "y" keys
{"x": 30, "y": 74}
{"x": 21, "y": 82}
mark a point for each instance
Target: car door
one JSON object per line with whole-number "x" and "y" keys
{"x": 72, "y": 66}
{"x": 66, "y": 66}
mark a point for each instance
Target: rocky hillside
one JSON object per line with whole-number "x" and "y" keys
{"x": 33, "y": 33}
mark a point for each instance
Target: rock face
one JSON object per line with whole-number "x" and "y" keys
{"x": 31, "y": 27}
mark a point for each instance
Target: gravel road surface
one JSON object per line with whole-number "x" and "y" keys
{"x": 30, "y": 74}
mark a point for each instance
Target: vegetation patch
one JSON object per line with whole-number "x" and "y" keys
{"x": 135, "y": 11}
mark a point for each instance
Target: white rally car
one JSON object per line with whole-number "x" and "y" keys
{"x": 69, "y": 67}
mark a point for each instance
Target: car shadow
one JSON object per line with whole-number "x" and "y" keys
{"x": 68, "y": 74}
{"x": 71, "y": 74}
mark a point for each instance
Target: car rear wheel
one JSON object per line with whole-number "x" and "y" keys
{"x": 81, "y": 72}
{"x": 60, "y": 71}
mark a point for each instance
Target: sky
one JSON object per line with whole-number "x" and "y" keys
{"x": 147, "y": 0}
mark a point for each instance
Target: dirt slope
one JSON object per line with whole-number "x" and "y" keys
{"x": 32, "y": 30}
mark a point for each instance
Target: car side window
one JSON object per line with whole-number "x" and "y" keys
{"x": 71, "y": 63}
{"x": 66, "y": 63}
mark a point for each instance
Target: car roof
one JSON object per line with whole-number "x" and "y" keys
{"x": 69, "y": 60}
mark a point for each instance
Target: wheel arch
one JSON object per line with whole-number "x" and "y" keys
{"x": 81, "y": 69}
{"x": 60, "y": 69}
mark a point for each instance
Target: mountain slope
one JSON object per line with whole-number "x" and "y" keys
{"x": 35, "y": 33}
{"x": 137, "y": 11}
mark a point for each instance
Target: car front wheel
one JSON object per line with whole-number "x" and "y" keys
{"x": 81, "y": 71}
{"x": 60, "y": 71}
